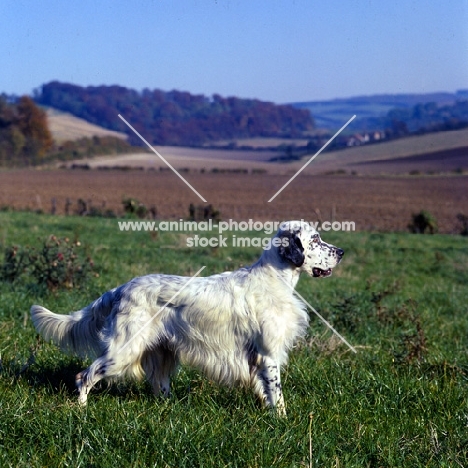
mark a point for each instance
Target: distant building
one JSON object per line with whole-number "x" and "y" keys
{"x": 358, "y": 140}
{"x": 362, "y": 139}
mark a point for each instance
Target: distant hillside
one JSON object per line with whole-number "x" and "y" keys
{"x": 64, "y": 126}
{"x": 334, "y": 113}
{"x": 176, "y": 118}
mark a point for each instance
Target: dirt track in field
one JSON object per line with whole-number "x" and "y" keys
{"x": 372, "y": 202}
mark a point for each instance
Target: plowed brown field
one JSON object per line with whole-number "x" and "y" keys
{"x": 372, "y": 202}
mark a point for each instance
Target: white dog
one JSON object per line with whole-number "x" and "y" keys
{"x": 235, "y": 327}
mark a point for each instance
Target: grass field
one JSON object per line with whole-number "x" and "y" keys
{"x": 401, "y": 401}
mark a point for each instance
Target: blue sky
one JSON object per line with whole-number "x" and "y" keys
{"x": 281, "y": 51}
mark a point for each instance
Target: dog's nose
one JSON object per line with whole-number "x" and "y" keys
{"x": 339, "y": 252}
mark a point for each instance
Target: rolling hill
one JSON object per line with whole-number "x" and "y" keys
{"x": 332, "y": 114}
{"x": 435, "y": 152}
{"x": 442, "y": 152}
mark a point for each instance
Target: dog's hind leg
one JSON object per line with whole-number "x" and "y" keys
{"x": 159, "y": 364}
{"x": 116, "y": 362}
{"x": 88, "y": 378}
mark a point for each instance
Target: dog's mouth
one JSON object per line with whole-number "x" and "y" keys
{"x": 319, "y": 273}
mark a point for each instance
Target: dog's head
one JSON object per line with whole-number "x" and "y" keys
{"x": 302, "y": 247}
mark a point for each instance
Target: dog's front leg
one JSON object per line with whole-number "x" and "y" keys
{"x": 269, "y": 374}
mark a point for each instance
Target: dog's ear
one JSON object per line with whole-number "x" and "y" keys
{"x": 291, "y": 248}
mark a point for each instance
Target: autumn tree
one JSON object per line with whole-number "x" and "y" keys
{"x": 24, "y": 134}
{"x": 32, "y": 123}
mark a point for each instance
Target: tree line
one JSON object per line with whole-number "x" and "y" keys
{"x": 175, "y": 117}
{"x": 26, "y": 140}
{"x": 421, "y": 118}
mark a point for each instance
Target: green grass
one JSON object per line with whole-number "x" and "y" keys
{"x": 401, "y": 401}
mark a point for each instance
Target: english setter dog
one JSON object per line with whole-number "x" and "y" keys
{"x": 236, "y": 327}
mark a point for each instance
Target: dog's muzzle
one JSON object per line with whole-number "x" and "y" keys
{"x": 319, "y": 273}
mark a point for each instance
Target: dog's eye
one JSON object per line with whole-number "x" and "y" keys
{"x": 315, "y": 239}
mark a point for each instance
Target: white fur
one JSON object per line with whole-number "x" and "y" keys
{"x": 237, "y": 328}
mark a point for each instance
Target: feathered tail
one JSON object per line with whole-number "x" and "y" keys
{"x": 79, "y": 332}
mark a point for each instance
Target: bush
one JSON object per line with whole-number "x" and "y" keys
{"x": 203, "y": 213}
{"x": 133, "y": 207}
{"x": 423, "y": 223}
{"x": 85, "y": 208}
{"x": 15, "y": 263}
{"x": 464, "y": 224}
{"x": 55, "y": 264}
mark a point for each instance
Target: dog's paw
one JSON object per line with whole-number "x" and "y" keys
{"x": 82, "y": 391}
{"x": 281, "y": 410}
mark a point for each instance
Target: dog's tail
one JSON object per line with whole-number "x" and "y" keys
{"x": 78, "y": 332}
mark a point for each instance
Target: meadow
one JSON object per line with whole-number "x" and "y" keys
{"x": 400, "y": 401}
